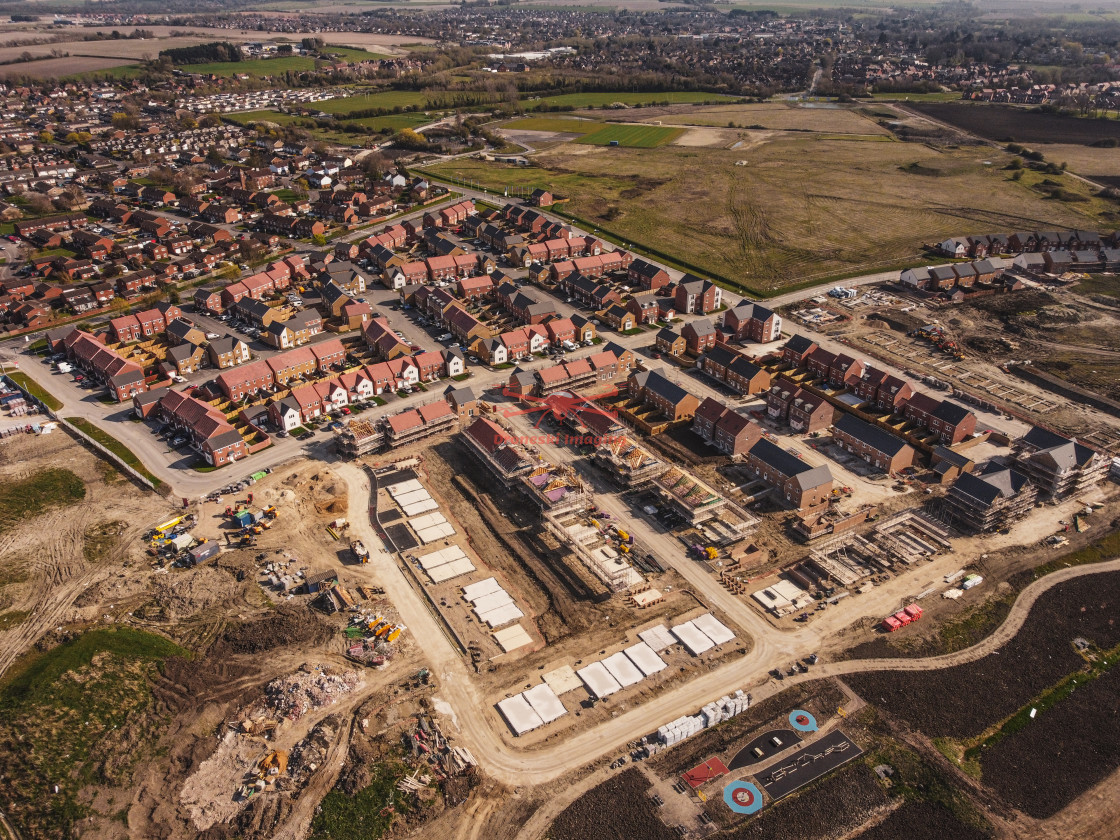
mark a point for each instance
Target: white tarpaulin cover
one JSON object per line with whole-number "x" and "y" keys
{"x": 482, "y": 587}
{"x": 713, "y": 628}
{"x": 657, "y": 637}
{"x": 512, "y": 638}
{"x": 519, "y": 714}
{"x": 544, "y": 702}
{"x": 599, "y": 680}
{"x": 644, "y": 657}
{"x": 692, "y": 638}
{"x": 623, "y": 670}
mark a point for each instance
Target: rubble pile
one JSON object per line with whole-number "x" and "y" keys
{"x": 307, "y": 689}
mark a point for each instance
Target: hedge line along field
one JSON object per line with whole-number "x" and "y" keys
{"x": 1004, "y": 123}
{"x": 632, "y": 136}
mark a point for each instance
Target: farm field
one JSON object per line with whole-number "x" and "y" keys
{"x": 74, "y": 65}
{"x": 963, "y": 701}
{"x": 772, "y": 116}
{"x": 1085, "y": 160}
{"x": 598, "y": 100}
{"x": 830, "y": 207}
{"x": 922, "y": 821}
{"x": 1005, "y": 123}
{"x": 632, "y": 136}
{"x": 561, "y": 125}
{"x": 614, "y": 809}
{"x": 383, "y": 99}
{"x": 255, "y": 67}
{"x": 1046, "y": 765}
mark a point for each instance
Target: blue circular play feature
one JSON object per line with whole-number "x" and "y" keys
{"x": 802, "y": 721}
{"x": 743, "y": 798}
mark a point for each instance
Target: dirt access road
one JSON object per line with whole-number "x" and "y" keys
{"x": 481, "y": 728}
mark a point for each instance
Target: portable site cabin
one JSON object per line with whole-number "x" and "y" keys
{"x": 204, "y": 551}
{"x": 182, "y": 542}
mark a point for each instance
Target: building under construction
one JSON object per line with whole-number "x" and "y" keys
{"x": 555, "y": 488}
{"x": 849, "y": 558}
{"x": 628, "y": 464}
{"x": 1059, "y": 466}
{"x": 590, "y": 541}
{"x": 496, "y": 448}
{"x": 699, "y": 504}
{"x": 991, "y": 501}
{"x": 360, "y": 437}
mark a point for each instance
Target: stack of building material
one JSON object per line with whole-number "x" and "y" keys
{"x": 512, "y": 638}
{"x": 545, "y": 702}
{"x": 692, "y": 638}
{"x": 431, "y": 527}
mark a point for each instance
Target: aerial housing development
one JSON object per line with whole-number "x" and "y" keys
{"x": 573, "y": 422}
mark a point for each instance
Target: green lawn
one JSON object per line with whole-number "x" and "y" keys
{"x": 39, "y": 492}
{"x": 597, "y": 100}
{"x": 77, "y": 715}
{"x": 255, "y": 67}
{"x": 114, "y": 446}
{"x": 247, "y": 117}
{"x": 564, "y": 125}
{"x": 393, "y": 121}
{"x": 382, "y": 99}
{"x": 34, "y": 389}
{"x": 632, "y": 136}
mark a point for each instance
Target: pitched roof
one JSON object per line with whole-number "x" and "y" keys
{"x": 877, "y": 438}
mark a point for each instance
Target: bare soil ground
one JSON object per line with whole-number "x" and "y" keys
{"x": 44, "y": 562}
{"x": 964, "y": 700}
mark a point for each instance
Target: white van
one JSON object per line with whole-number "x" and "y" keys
{"x": 65, "y": 367}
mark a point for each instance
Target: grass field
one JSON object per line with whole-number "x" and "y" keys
{"x": 801, "y": 210}
{"x": 383, "y": 99}
{"x": 114, "y": 446}
{"x": 598, "y": 100}
{"x": 65, "y": 718}
{"x": 562, "y": 125}
{"x": 35, "y": 389}
{"x": 632, "y": 136}
{"x": 772, "y": 116}
{"x": 255, "y": 67}
{"x": 39, "y": 492}
{"x": 393, "y": 121}
{"x": 247, "y": 117}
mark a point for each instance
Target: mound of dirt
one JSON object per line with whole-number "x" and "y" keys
{"x": 185, "y": 595}
{"x": 288, "y": 625}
